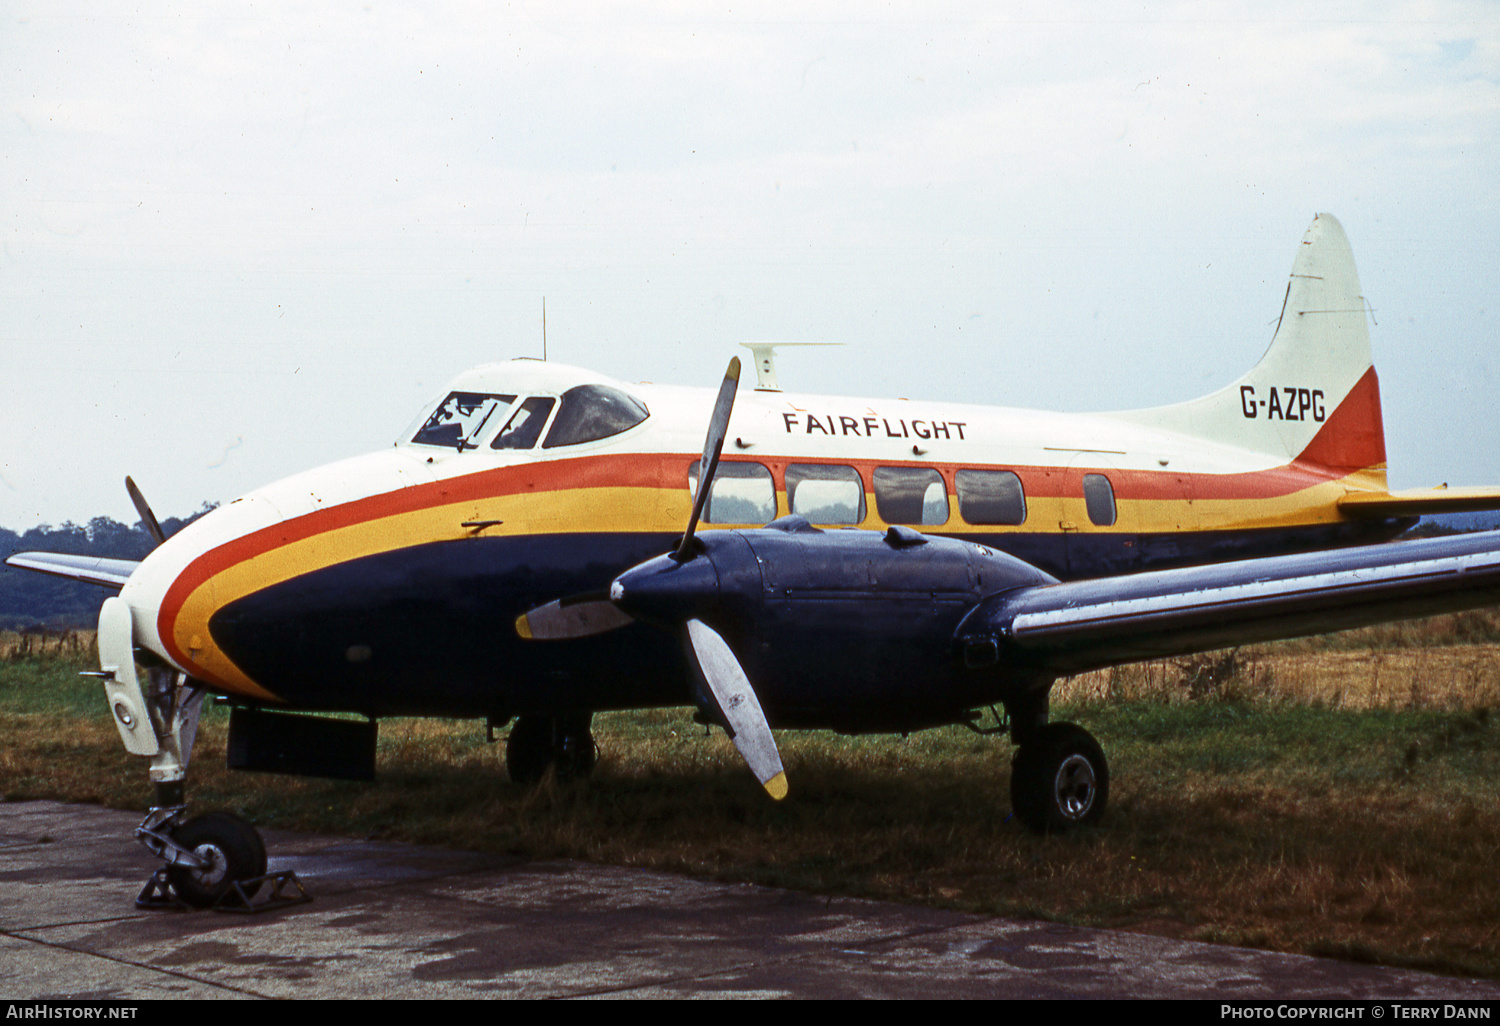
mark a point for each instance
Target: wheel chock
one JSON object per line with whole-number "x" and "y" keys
{"x": 159, "y": 896}
{"x": 241, "y": 896}
{"x": 284, "y": 890}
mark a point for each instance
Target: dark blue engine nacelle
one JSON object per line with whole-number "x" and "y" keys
{"x": 847, "y": 629}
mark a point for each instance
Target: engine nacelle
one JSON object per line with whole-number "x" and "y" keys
{"x": 846, "y": 629}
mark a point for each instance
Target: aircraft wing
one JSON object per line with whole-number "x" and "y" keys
{"x": 1081, "y": 625}
{"x": 109, "y": 573}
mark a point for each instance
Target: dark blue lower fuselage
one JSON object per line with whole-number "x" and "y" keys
{"x": 429, "y": 630}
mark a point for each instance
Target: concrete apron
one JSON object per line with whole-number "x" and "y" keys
{"x": 400, "y": 921}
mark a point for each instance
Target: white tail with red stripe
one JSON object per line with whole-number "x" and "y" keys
{"x": 1314, "y": 396}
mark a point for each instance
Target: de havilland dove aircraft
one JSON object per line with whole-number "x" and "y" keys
{"x": 544, "y": 543}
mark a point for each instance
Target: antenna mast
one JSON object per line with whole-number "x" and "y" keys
{"x": 544, "y": 329}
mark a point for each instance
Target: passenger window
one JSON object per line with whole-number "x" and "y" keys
{"x": 990, "y": 497}
{"x": 1099, "y": 499}
{"x": 591, "y": 412}
{"x": 459, "y": 418}
{"x": 911, "y": 495}
{"x": 826, "y": 495}
{"x": 525, "y": 425}
{"x": 743, "y": 493}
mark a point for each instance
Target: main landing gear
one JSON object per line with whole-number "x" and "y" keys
{"x": 1059, "y": 778}
{"x": 538, "y": 743}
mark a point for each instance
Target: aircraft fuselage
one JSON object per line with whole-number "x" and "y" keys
{"x": 388, "y": 584}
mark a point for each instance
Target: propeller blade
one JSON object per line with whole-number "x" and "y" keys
{"x": 718, "y": 426}
{"x": 748, "y": 728}
{"x": 147, "y": 517}
{"x": 578, "y": 616}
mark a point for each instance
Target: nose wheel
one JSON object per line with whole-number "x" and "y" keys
{"x": 1059, "y": 779}
{"x": 228, "y": 851}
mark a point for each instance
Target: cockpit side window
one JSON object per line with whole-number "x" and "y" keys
{"x": 591, "y": 412}
{"x": 460, "y": 417}
{"x": 525, "y": 425}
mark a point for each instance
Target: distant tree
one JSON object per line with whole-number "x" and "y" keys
{"x": 28, "y": 598}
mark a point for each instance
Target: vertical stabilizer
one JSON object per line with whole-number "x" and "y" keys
{"x": 1314, "y": 396}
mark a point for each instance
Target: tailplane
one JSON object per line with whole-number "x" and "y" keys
{"x": 1314, "y": 397}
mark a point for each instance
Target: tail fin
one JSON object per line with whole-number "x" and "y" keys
{"x": 1313, "y": 397}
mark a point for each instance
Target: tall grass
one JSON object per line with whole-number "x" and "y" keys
{"x": 1318, "y": 797}
{"x": 1451, "y": 678}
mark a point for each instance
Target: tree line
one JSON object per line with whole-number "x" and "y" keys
{"x": 30, "y": 599}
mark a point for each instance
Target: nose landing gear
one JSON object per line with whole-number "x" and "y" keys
{"x": 210, "y": 859}
{"x": 216, "y": 859}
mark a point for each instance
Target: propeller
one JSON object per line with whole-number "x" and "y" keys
{"x": 147, "y": 517}
{"x": 577, "y": 616}
{"x": 713, "y": 445}
{"x": 672, "y": 591}
{"x": 745, "y": 722}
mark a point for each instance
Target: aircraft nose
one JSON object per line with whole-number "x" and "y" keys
{"x": 667, "y": 592}
{"x": 159, "y": 581}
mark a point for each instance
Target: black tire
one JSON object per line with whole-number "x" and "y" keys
{"x": 528, "y": 750}
{"x": 1059, "y": 779}
{"x": 575, "y": 753}
{"x": 539, "y": 743}
{"x": 234, "y": 849}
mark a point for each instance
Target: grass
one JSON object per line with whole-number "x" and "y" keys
{"x": 1318, "y": 798}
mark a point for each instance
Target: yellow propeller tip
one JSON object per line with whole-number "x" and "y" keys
{"x": 776, "y": 786}
{"x": 523, "y": 628}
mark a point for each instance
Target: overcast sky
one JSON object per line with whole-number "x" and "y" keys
{"x": 242, "y": 240}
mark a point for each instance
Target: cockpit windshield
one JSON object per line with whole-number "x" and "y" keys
{"x": 460, "y": 418}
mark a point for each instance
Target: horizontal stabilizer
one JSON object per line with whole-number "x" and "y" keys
{"x": 109, "y": 573}
{"x": 1420, "y": 502}
{"x": 1082, "y": 625}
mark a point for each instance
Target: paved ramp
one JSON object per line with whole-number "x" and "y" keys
{"x": 402, "y": 921}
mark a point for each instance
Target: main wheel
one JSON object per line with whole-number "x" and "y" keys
{"x": 539, "y": 742}
{"x": 575, "y": 752}
{"x": 1059, "y": 779}
{"x": 231, "y": 846}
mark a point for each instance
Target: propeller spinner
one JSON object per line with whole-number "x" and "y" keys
{"x": 672, "y": 591}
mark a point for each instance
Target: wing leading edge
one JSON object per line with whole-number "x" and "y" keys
{"x": 1081, "y": 625}
{"x": 108, "y": 573}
